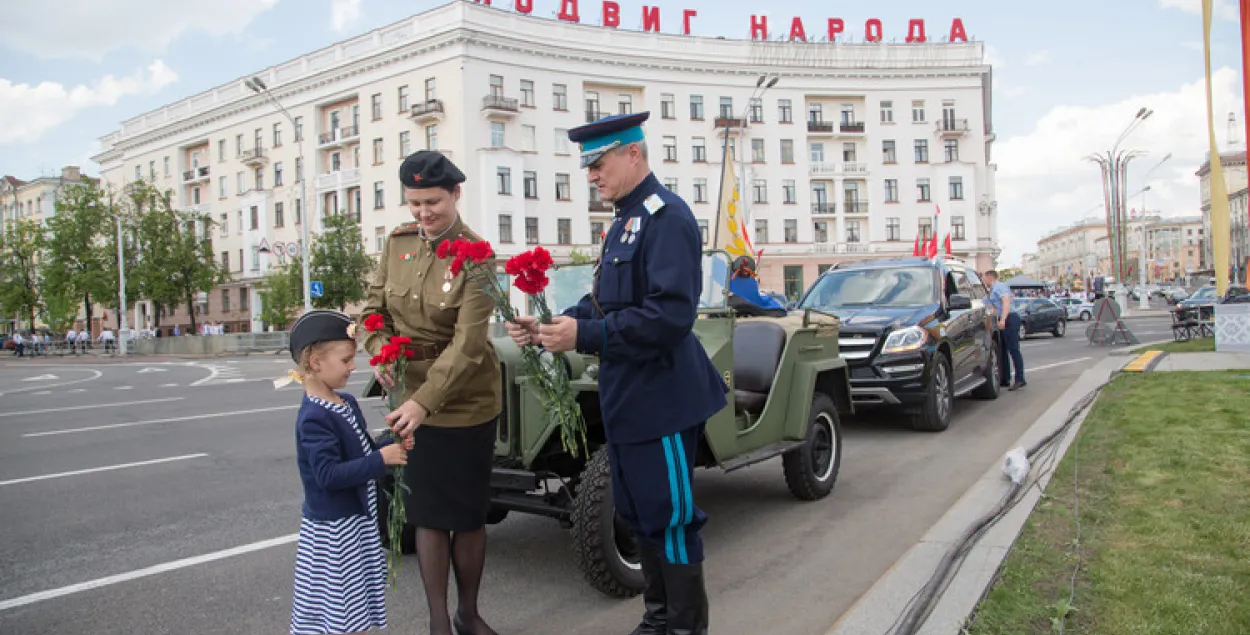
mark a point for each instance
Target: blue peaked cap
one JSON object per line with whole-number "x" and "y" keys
{"x": 609, "y": 133}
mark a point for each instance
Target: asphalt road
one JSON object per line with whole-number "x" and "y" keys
{"x": 162, "y": 497}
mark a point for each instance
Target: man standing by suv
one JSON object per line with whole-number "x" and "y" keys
{"x": 1009, "y": 330}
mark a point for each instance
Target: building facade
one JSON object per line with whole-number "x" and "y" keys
{"x": 33, "y": 200}
{"x": 847, "y": 157}
{"x": 1070, "y": 253}
{"x": 1234, "y": 164}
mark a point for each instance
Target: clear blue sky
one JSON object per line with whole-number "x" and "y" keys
{"x": 1064, "y": 85}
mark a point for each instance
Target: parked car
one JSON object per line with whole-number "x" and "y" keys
{"x": 1205, "y": 296}
{"x": 917, "y": 333}
{"x": 1077, "y": 309}
{"x": 1039, "y": 315}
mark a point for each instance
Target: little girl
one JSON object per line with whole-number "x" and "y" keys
{"x": 340, "y": 567}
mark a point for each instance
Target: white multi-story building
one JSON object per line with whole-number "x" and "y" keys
{"x": 846, "y": 157}
{"x": 33, "y": 200}
{"x": 1234, "y": 165}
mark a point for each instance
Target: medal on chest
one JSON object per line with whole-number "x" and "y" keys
{"x": 446, "y": 280}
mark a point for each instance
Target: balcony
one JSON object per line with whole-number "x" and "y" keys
{"x": 730, "y": 122}
{"x": 338, "y": 137}
{"x": 819, "y": 127}
{"x": 429, "y": 110}
{"x": 851, "y": 127}
{"x": 828, "y": 169}
{"x": 855, "y": 206}
{"x": 594, "y": 115}
{"x": 500, "y": 106}
{"x": 340, "y": 179}
{"x": 854, "y": 169}
{"x": 254, "y": 156}
{"x": 195, "y": 175}
{"x": 823, "y": 209}
{"x": 855, "y": 248}
{"x": 601, "y": 207}
{"x": 952, "y": 127}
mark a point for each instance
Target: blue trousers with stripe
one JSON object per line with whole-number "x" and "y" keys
{"x": 651, "y": 487}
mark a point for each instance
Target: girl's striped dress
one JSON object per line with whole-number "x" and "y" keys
{"x": 340, "y": 567}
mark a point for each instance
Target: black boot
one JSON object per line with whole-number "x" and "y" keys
{"x": 687, "y": 599}
{"x": 655, "y": 602}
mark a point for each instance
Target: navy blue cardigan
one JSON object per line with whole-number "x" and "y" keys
{"x": 334, "y": 469}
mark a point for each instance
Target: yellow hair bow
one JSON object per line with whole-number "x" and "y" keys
{"x": 291, "y": 376}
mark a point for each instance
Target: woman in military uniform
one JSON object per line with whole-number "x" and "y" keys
{"x": 452, "y": 388}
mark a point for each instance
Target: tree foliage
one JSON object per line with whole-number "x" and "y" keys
{"x": 20, "y": 246}
{"x": 281, "y": 294}
{"x": 59, "y": 311}
{"x": 579, "y": 257}
{"x": 77, "y": 263}
{"x": 340, "y": 264}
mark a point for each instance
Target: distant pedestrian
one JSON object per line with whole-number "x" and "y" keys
{"x": 1009, "y": 332}
{"x": 340, "y": 566}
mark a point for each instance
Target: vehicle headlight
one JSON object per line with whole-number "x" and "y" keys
{"x": 904, "y": 340}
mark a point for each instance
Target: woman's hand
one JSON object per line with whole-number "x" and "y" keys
{"x": 383, "y": 375}
{"x": 525, "y": 331}
{"x": 405, "y": 419}
{"x": 407, "y": 442}
{"x": 394, "y": 454}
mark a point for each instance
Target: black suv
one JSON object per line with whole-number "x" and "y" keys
{"x": 917, "y": 333}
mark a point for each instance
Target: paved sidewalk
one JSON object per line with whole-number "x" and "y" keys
{"x": 876, "y": 611}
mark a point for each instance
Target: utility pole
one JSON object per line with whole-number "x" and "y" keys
{"x": 121, "y": 282}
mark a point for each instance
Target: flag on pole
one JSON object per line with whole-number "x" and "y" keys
{"x": 915, "y": 250}
{"x": 731, "y": 231}
{"x": 1221, "y": 233}
{"x": 931, "y": 250}
{"x": 948, "y": 243}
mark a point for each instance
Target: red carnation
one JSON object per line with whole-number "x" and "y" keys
{"x": 400, "y": 340}
{"x": 443, "y": 249}
{"x": 409, "y": 353}
{"x": 374, "y": 322}
{"x": 518, "y": 263}
{"x": 375, "y": 360}
{"x": 480, "y": 251}
{"x": 542, "y": 259}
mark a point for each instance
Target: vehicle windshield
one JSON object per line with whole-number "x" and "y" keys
{"x": 1020, "y": 304}
{"x": 570, "y": 283}
{"x": 1205, "y": 293}
{"x": 874, "y": 286}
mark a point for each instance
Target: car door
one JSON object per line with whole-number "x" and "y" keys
{"x": 1051, "y": 314}
{"x": 964, "y": 328}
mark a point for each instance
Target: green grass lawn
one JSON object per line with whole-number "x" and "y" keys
{"x": 1204, "y": 345}
{"x": 1163, "y": 475}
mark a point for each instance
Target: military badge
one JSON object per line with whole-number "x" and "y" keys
{"x": 653, "y": 204}
{"x": 409, "y": 256}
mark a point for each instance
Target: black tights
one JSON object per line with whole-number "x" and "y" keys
{"x": 438, "y": 552}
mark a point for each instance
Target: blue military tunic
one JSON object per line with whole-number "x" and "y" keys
{"x": 655, "y": 379}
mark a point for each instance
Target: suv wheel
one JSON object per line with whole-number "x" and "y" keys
{"x": 1085, "y": 315}
{"x": 812, "y": 469}
{"x": 1061, "y": 327}
{"x": 993, "y": 376}
{"x": 602, "y": 543}
{"x": 1024, "y": 332}
{"x": 935, "y": 414}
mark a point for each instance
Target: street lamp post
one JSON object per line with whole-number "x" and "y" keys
{"x": 1114, "y": 166}
{"x": 1143, "y": 298}
{"x": 257, "y": 86}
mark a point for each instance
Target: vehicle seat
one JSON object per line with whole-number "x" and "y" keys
{"x": 757, "y": 353}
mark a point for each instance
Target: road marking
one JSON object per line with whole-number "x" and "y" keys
{"x": 132, "y": 424}
{"x": 77, "y": 390}
{"x": 88, "y": 407}
{"x": 42, "y": 392}
{"x": 123, "y": 388}
{"x": 1033, "y": 369}
{"x": 145, "y": 572}
{"x": 40, "y": 378}
{"x": 1143, "y": 362}
{"x": 151, "y": 370}
{"x": 219, "y": 373}
{"x": 97, "y": 375}
{"x": 169, "y": 385}
{"x": 107, "y": 468}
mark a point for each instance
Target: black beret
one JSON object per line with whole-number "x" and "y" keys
{"x": 320, "y": 326}
{"x": 429, "y": 168}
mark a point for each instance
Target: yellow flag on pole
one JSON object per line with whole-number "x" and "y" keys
{"x": 1221, "y": 233}
{"x": 731, "y": 232}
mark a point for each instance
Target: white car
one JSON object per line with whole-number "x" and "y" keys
{"x": 1077, "y": 308}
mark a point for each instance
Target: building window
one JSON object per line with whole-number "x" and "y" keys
{"x": 138, "y": 173}
{"x": 698, "y": 152}
{"x": 279, "y": 219}
{"x": 848, "y": 114}
{"x": 596, "y": 232}
{"x": 531, "y": 230}
{"x": 887, "y": 152}
{"x": 299, "y": 128}
{"x": 529, "y": 138}
{"x": 671, "y": 185}
{"x": 785, "y": 112}
{"x": 917, "y": 111}
{"x": 255, "y": 216}
{"x": 815, "y": 113}
{"x": 887, "y": 112}
{"x": 852, "y": 231}
{"x": 166, "y": 166}
{"x": 299, "y": 211}
{"x": 820, "y": 231}
{"x": 957, "y": 228}
{"x": 564, "y": 231}
{"x": 404, "y": 145}
{"x": 221, "y": 150}
{"x": 377, "y": 153}
{"x": 277, "y": 174}
{"x": 277, "y": 135}
{"x": 817, "y": 151}
{"x": 624, "y": 104}
{"x": 402, "y": 96}
{"x": 761, "y": 230}
{"x": 757, "y": 150}
{"x": 375, "y": 103}
{"x": 951, "y": 147}
{"x": 243, "y": 290}
{"x": 756, "y": 110}
{"x": 787, "y": 151}
{"x": 496, "y": 134}
{"x": 793, "y": 275}
{"x": 238, "y": 183}
{"x": 726, "y": 107}
{"x": 925, "y": 228}
{"x": 530, "y": 182}
{"x": 505, "y": 228}
{"x": 893, "y": 229}
{"x": 496, "y": 85}
{"x": 503, "y": 181}
{"x": 379, "y": 239}
{"x": 957, "y": 188}
{"x": 668, "y": 106}
{"x": 562, "y": 187}
{"x": 891, "y": 190}
{"x": 791, "y": 228}
{"x": 849, "y": 152}
{"x": 431, "y": 137}
{"x": 670, "y": 148}
{"x": 922, "y": 150}
{"x": 696, "y": 107}
{"x": 431, "y": 89}
{"x": 221, "y": 187}
{"x": 759, "y": 191}
{"x": 703, "y": 230}
{"x": 379, "y": 196}
{"x": 224, "y": 223}
{"x": 225, "y": 293}
{"x": 700, "y": 190}
{"x": 559, "y": 97}
{"x": 527, "y": 93}
{"x": 789, "y": 192}
{"x": 561, "y": 143}
{"x": 922, "y": 191}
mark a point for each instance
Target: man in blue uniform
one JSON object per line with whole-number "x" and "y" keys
{"x": 657, "y": 387}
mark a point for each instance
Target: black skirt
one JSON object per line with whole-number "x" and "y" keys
{"x": 448, "y": 477}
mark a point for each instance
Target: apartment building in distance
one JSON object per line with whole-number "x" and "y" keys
{"x": 34, "y": 199}
{"x": 1234, "y": 164}
{"x": 848, "y": 157}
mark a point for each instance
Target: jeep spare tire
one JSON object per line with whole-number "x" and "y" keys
{"x": 812, "y": 469}
{"x": 602, "y": 543}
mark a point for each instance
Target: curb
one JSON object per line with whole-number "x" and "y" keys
{"x": 887, "y": 599}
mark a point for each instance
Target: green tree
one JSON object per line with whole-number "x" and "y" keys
{"x": 281, "y": 294}
{"x": 76, "y": 263}
{"x": 579, "y": 257}
{"x": 339, "y": 263}
{"x": 59, "y": 311}
{"x": 20, "y": 247}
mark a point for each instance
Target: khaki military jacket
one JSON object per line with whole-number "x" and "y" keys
{"x": 416, "y": 295}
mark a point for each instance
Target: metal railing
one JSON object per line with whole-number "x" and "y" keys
{"x": 497, "y": 102}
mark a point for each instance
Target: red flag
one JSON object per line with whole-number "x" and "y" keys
{"x": 932, "y": 249}
{"x": 948, "y": 243}
{"x": 915, "y": 250}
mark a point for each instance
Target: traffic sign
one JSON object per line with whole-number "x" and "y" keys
{"x": 316, "y": 289}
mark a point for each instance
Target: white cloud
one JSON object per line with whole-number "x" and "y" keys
{"x": 1221, "y": 10}
{"x": 1037, "y": 58}
{"x": 91, "y": 29}
{"x": 30, "y": 111}
{"x": 1044, "y": 182}
{"x": 343, "y": 13}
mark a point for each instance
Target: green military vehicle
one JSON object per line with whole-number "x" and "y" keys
{"x": 789, "y": 389}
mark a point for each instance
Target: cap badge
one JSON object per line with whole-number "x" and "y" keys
{"x": 416, "y": 178}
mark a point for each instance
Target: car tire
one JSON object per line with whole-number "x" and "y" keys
{"x": 812, "y": 469}
{"x": 939, "y": 400}
{"x": 1024, "y": 331}
{"x": 993, "y": 376}
{"x": 1061, "y": 327}
{"x": 602, "y": 544}
{"x": 1085, "y": 315}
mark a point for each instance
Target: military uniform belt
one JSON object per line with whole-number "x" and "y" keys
{"x": 425, "y": 351}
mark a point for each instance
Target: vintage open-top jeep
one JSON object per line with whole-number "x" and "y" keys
{"x": 789, "y": 387}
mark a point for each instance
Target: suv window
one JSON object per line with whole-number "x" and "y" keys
{"x": 873, "y": 286}
{"x": 962, "y": 285}
{"x": 978, "y": 287}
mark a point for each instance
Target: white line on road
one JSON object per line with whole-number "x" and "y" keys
{"x": 143, "y": 573}
{"x": 169, "y": 385}
{"x": 42, "y": 392}
{"x": 88, "y": 407}
{"x": 97, "y": 375}
{"x": 123, "y": 388}
{"x": 132, "y": 424}
{"x": 107, "y": 468}
{"x": 1032, "y": 369}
